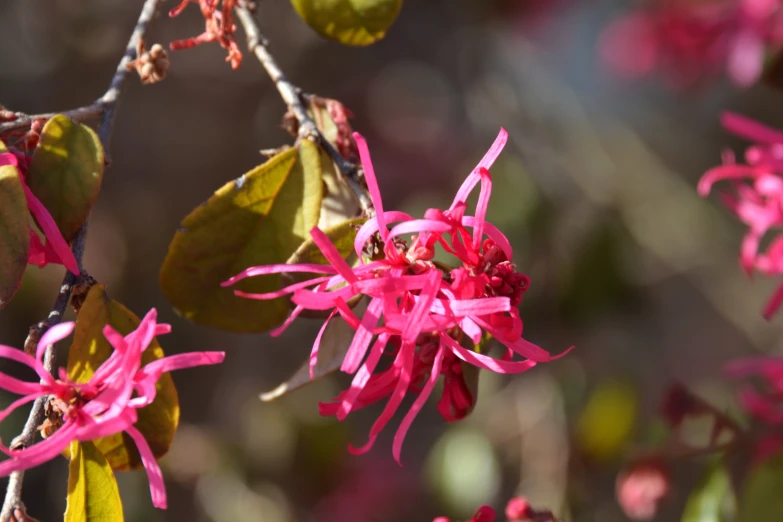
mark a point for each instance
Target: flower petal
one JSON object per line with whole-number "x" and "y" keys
{"x": 484, "y": 361}
{"x": 361, "y": 340}
{"x": 372, "y": 183}
{"x": 362, "y": 377}
{"x": 486, "y": 162}
{"x": 40, "y": 452}
{"x": 418, "y": 404}
{"x": 53, "y": 235}
{"x": 404, "y": 361}
{"x": 154, "y": 474}
{"x": 279, "y": 269}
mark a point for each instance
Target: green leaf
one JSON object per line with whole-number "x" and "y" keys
{"x": 66, "y": 171}
{"x": 93, "y": 495}
{"x": 350, "y": 22}
{"x": 711, "y": 499}
{"x": 14, "y": 231}
{"x": 761, "y": 499}
{"x": 259, "y": 219}
{"x": 157, "y": 421}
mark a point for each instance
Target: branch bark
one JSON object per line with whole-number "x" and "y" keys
{"x": 105, "y": 107}
{"x": 291, "y": 96}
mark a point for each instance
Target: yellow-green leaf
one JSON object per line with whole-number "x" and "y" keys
{"x": 93, "y": 495}
{"x": 157, "y": 421}
{"x": 350, "y": 22}
{"x": 761, "y": 499}
{"x": 712, "y": 499}
{"x": 66, "y": 172}
{"x": 341, "y": 235}
{"x": 14, "y": 231}
{"x": 339, "y": 202}
{"x": 259, "y": 219}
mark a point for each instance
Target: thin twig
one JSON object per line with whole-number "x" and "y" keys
{"x": 108, "y": 101}
{"x": 107, "y": 105}
{"x": 291, "y": 96}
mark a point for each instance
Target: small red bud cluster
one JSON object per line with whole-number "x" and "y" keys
{"x": 219, "y": 27}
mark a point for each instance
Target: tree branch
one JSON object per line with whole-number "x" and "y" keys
{"x": 291, "y": 96}
{"x": 105, "y": 106}
{"x": 108, "y": 101}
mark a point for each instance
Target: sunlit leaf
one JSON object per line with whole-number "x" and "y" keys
{"x": 339, "y": 202}
{"x": 93, "y": 495}
{"x": 607, "y": 421}
{"x": 259, "y": 219}
{"x": 761, "y": 499}
{"x": 341, "y": 235}
{"x": 711, "y": 499}
{"x": 350, "y": 22}
{"x": 66, "y": 172}
{"x": 157, "y": 421}
{"x": 14, "y": 231}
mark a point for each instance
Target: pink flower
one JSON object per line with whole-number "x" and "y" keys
{"x": 56, "y": 249}
{"x": 757, "y": 198}
{"x": 484, "y": 514}
{"x": 420, "y": 312}
{"x": 104, "y": 405}
{"x": 693, "y": 39}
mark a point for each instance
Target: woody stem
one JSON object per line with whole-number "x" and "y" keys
{"x": 291, "y": 96}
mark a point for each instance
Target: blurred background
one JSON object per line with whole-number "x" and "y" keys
{"x": 596, "y": 191}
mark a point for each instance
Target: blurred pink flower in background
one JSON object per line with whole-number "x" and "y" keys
{"x": 756, "y": 198}
{"x": 641, "y": 488}
{"x": 764, "y": 402}
{"x": 518, "y": 508}
{"x": 690, "y": 40}
{"x": 484, "y": 514}
{"x": 419, "y": 312}
{"x": 55, "y": 249}
{"x": 104, "y": 405}
{"x": 369, "y": 487}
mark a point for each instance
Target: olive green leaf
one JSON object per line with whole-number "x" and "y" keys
{"x": 14, "y": 231}
{"x": 761, "y": 500}
{"x": 259, "y": 219}
{"x": 93, "y": 495}
{"x": 66, "y": 171}
{"x": 157, "y": 421}
{"x": 350, "y": 22}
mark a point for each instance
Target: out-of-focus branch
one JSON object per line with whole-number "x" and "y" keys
{"x": 291, "y": 96}
{"x": 106, "y": 107}
{"x": 108, "y": 101}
